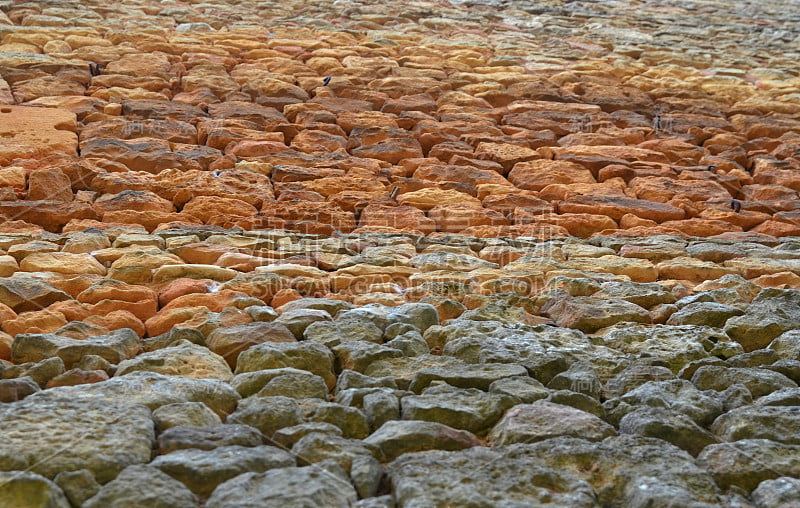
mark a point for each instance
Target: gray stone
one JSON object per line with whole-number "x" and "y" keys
{"x": 542, "y": 350}
{"x": 395, "y": 438}
{"x": 386, "y": 501}
{"x": 420, "y": 315}
{"x": 143, "y": 486}
{"x": 736, "y": 395}
{"x": 782, "y": 397}
{"x": 395, "y": 329}
{"x": 12, "y": 390}
{"x": 298, "y": 320}
{"x": 578, "y": 401}
{"x": 676, "y": 345}
{"x": 262, "y": 313}
{"x": 78, "y": 485}
{"x": 351, "y": 420}
{"x": 758, "y": 381}
{"x": 580, "y": 377}
{"x": 528, "y": 423}
{"x": 778, "y": 423}
{"x": 189, "y": 414}
{"x": 704, "y": 313}
{"x": 410, "y": 343}
{"x": 645, "y": 295}
{"x": 289, "y": 382}
{"x": 671, "y": 426}
{"x": 443, "y": 260}
{"x": 787, "y": 345}
{"x": 479, "y": 376}
{"x": 332, "y": 333}
{"x": 757, "y": 358}
{"x": 590, "y": 314}
{"x": 318, "y": 447}
{"x": 633, "y": 377}
{"x": 352, "y": 379}
{"x": 30, "y": 490}
{"x": 267, "y": 414}
{"x": 372, "y": 313}
{"x": 288, "y": 436}
{"x": 484, "y": 477}
{"x": 522, "y": 389}
{"x": 202, "y": 470}
{"x": 359, "y": 355}
{"x": 789, "y": 368}
{"x": 772, "y": 313}
{"x": 461, "y": 408}
{"x": 308, "y": 356}
{"x": 74, "y": 433}
{"x": 181, "y": 359}
{"x": 783, "y": 492}
{"x": 380, "y": 407}
{"x": 366, "y": 474}
{"x": 329, "y": 305}
{"x": 748, "y": 462}
{"x": 152, "y": 390}
{"x": 614, "y": 464}
{"x": 116, "y": 346}
{"x": 41, "y": 372}
{"x": 675, "y": 394}
{"x": 279, "y": 488}
{"x": 403, "y": 369}
{"x": 208, "y": 437}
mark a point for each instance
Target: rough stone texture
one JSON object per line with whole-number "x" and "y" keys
{"x": 437, "y": 477}
{"x": 24, "y": 488}
{"x": 305, "y": 486}
{"x": 528, "y": 423}
{"x": 143, "y": 485}
{"x": 201, "y": 471}
{"x": 74, "y": 433}
{"x": 437, "y": 211}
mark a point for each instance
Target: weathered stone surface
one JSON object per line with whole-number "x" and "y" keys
{"x": 309, "y": 356}
{"x": 203, "y": 470}
{"x": 528, "y": 423}
{"x": 24, "y": 488}
{"x": 774, "y": 459}
{"x": 312, "y": 486}
{"x": 143, "y": 485}
{"x": 440, "y": 477}
{"x": 207, "y": 437}
{"x": 183, "y": 359}
{"x": 122, "y": 435}
{"x": 115, "y": 347}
